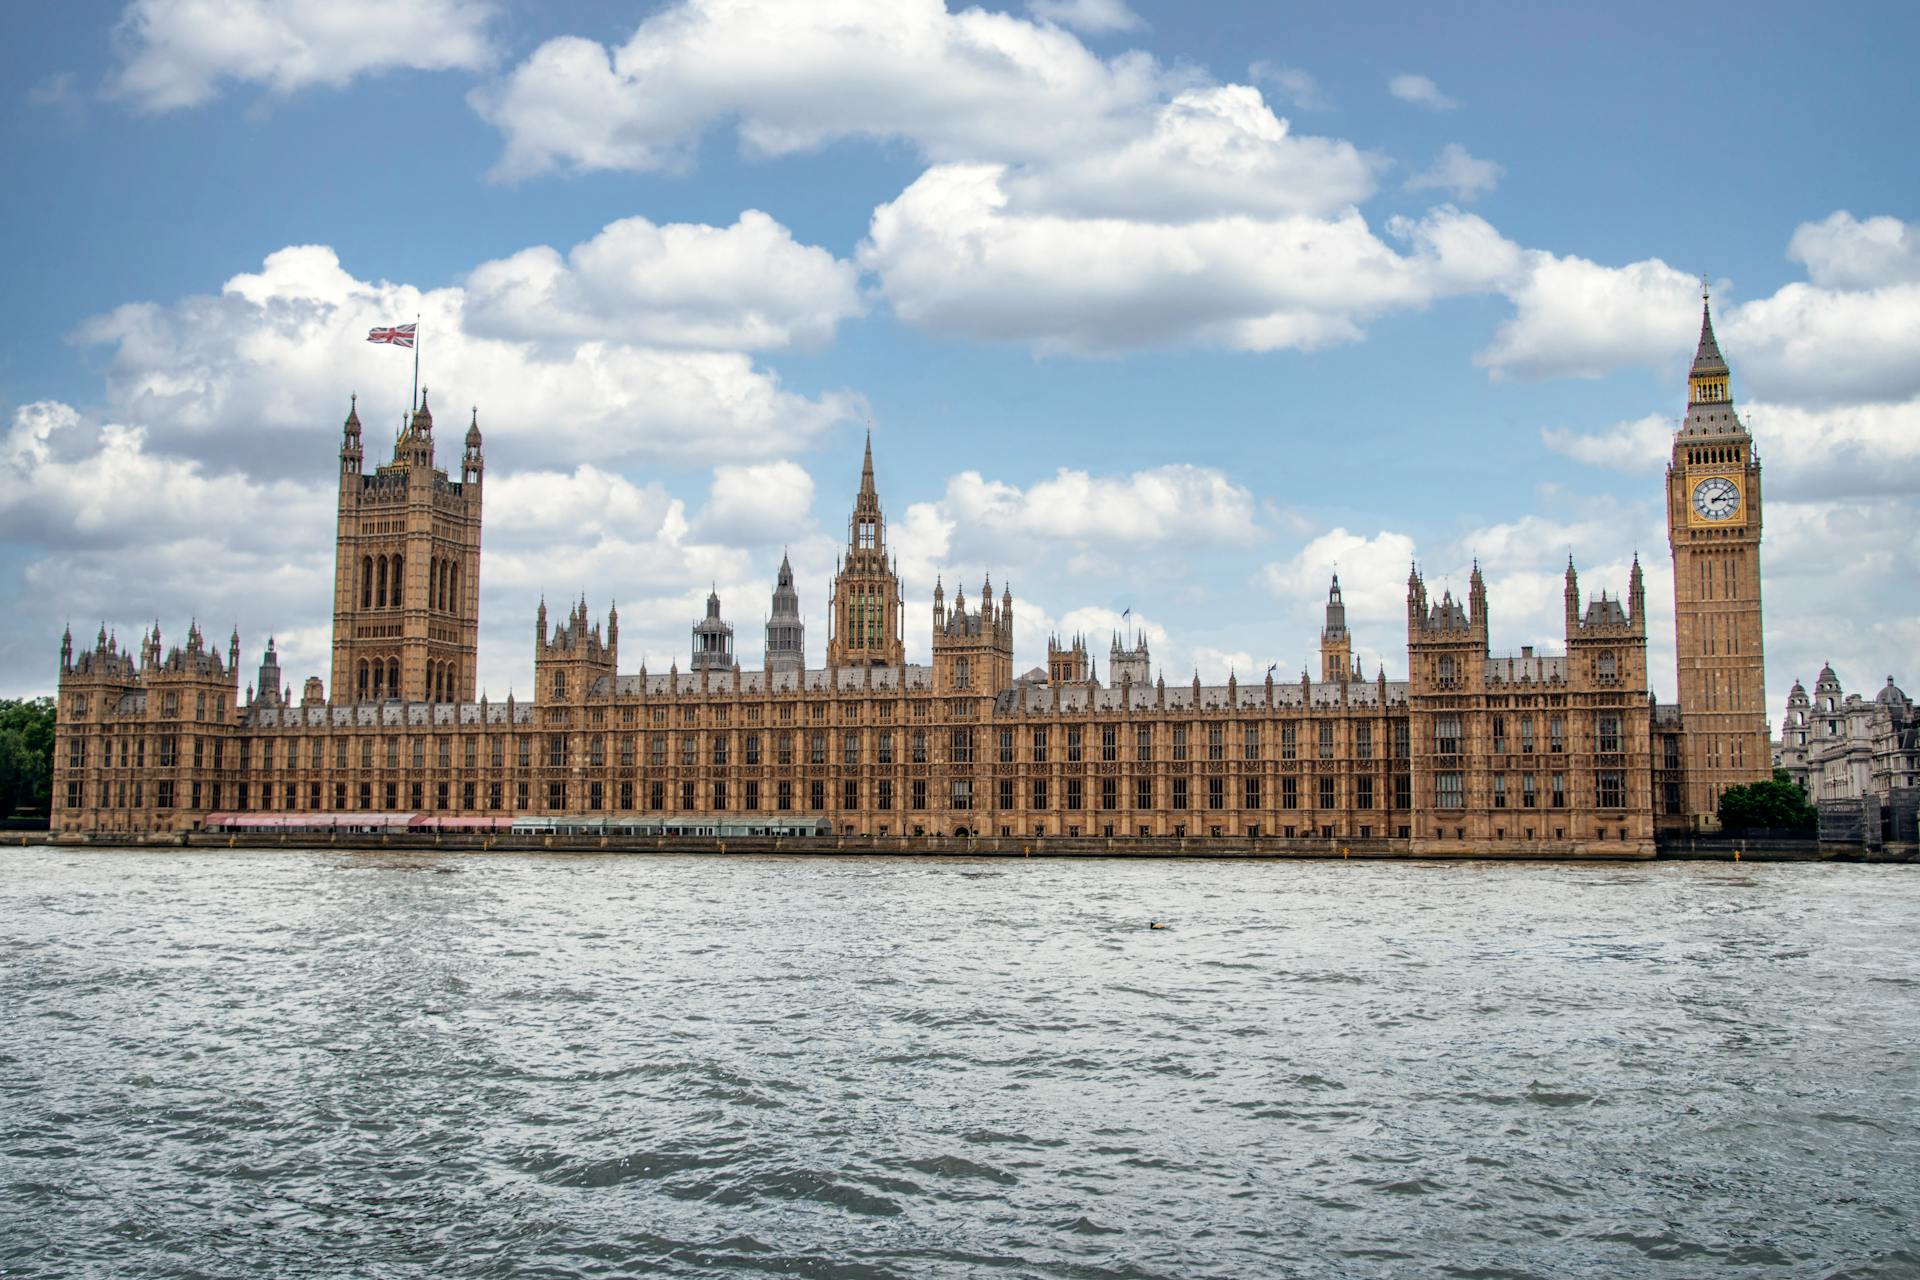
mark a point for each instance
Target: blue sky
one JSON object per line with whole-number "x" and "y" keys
{"x": 1154, "y": 307}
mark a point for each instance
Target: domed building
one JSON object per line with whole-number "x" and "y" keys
{"x": 1841, "y": 746}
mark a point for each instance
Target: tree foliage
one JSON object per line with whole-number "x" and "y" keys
{"x": 26, "y": 754}
{"x": 1777, "y": 804}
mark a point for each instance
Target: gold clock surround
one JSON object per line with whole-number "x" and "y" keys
{"x": 1734, "y": 477}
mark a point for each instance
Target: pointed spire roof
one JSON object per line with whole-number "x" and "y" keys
{"x": 1707, "y": 358}
{"x": 1336, "y": 610}
{"x": 866, "y": 468}
{"x": 353, "y": 411}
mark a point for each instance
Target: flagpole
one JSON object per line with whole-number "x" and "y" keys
{"x": 416, "y": 362}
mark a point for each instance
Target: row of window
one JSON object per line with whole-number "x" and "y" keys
{"x": 1610, "y": 791}
{"x": 383, "y": 580}
{"x": 818, "y": 746}
{"x": 1039, "y": 793}
{"x": 1074, "y": 747}
{"x": 1607, "y": 737}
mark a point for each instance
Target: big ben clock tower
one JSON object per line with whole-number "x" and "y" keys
{"x": 1713, "y": 526}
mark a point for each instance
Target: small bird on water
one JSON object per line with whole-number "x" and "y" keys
{"x": 1155, "y": 924}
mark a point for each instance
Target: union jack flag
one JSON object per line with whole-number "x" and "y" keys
{"x": 400, "y": 335}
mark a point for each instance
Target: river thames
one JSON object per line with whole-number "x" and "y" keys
{"x": 317, "y": 1063}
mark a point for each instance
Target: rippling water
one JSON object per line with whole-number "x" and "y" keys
{"x": 232, "y": 1064}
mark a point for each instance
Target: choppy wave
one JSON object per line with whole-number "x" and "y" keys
{"x": 322, "y": 1064}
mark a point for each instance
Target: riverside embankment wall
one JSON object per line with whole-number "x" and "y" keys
{"x": 1692, "y": 849}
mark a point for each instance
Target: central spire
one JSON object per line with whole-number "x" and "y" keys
{"x": 864, "y": 623}
{"x": 1706, "y": 357}
{"x": 866, "y": 531}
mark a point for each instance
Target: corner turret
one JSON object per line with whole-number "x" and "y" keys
{"x": 351, "y": 454}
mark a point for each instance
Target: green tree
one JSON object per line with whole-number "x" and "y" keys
{"x": 26, "y": 754}
{"x": 1777, "y": 804}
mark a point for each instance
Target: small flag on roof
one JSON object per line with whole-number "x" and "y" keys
{"x": 400, "y": 335}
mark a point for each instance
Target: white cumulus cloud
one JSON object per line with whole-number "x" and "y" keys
{"x": 100, "y": 529}
{"x": 1818, "y": 346}
{"x": 1806, "y": 344}
{"x": 240, "y": 375}
{"x": 768, "y": 502}
{"x": 1577, "y": 318}
{"x": 1135, "y": 526}
{"x": 749, "y": 286}
{"x": 1209, "y": 153}
{"x": 954, "y": 255}
{"x": 791, "y": 77}
{"x": 1844, "y": 252}
{"x": 181, "y": 53}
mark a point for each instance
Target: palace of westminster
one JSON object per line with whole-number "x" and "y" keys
{"x": 1470, "y": 752}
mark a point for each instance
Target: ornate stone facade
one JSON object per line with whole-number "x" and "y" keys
{"x": 406, "y": 570}
{"x": 1841, "y": 746}
{"x": 1472, "y": 751}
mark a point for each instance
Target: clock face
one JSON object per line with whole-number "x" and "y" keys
{"x": 1716, "y": 498}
